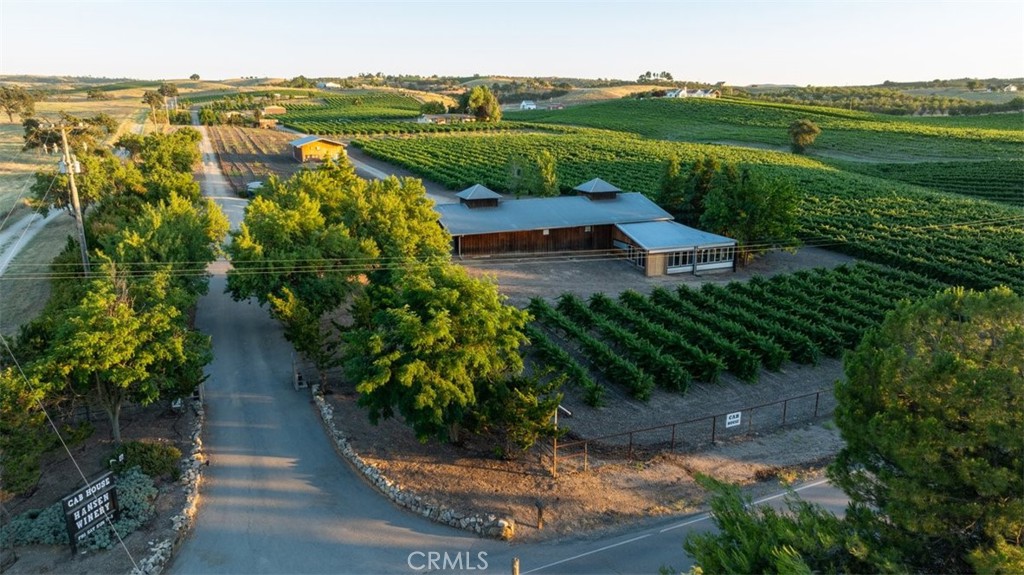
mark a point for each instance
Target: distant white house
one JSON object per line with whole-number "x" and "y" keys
{"x": 1010, "y": 88}
{"x": 685, "y": 93}
{"x": 328, "y": 85}
{"x": 527, "y": 105}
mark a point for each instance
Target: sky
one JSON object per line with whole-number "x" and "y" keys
{"x": 818, "y": 43}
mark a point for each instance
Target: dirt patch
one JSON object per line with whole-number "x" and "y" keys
{"x": 251, "y": 154}
{"x": 523, "y": 277}
{"x": 614, "y": 491}
{"x": 60, "y": 477}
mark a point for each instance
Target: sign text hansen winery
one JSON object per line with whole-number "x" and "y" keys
{"x": 87, "y": 509}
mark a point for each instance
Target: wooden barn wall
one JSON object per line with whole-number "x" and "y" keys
{"x": 534, "y": 241}
{"x": 616, "y": 234}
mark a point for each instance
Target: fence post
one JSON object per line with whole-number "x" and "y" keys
{"x": 672, "y": 447}
{"x": 817, "y": 396}
{"x": 554, "y": 457}
{"x": 631, "y": 446}
{"x": 785, "y": 406}
{"x": 714, "y": 424}
{"x": 586, "y": 453}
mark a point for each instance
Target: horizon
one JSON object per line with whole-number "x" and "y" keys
{"x": 694, "y": 41}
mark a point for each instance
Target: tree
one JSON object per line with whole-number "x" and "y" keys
{"x": 518, "y": 410}
{"x": 433, "y": 107}
{"x": 83, "y": 133}
{"x": 103, "y": 174}
{"x": 168, "y": 90}
{"x": 125, "y": 344}
{"x": 802, "y": 134}
{"x": 542, "y": 178}
{"x": 973, "y": 84}
{"x": 931, "y": 414}
{"x": 758, "y": 539}
{"x": 517, "y": 174}
{"x": 671, "y": 193}
{"x": 194, "y": 77}
{"x": 421, "y": 346}
{"x": 16, "y": 100}
{"x": 153, "y": 99}
{"x": 296, "y": 253}
{"x": 704, "y": 176}
{"x": 760, "y": 214}
{"x": 483, "y": 104}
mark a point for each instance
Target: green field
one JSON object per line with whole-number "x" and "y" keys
{"x": 857, "y": 134}
{"x": 996, "y": 180}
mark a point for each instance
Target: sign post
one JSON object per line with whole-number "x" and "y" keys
{"x": 88, "y": 508}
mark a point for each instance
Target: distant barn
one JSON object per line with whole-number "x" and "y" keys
{"x": 312, "y": 148}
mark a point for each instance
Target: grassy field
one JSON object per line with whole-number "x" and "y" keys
{"x": 21, "y": 299}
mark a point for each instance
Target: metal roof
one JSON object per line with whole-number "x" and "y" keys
{"x": 671, "y": 236}
{"x": 596, "y": 186}
{"x": 547, "y": 213}
{"x": 309, "y": 140}
{"x": 478, "y": 192}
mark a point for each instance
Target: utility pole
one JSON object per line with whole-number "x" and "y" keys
{"x": 70, "y": 168}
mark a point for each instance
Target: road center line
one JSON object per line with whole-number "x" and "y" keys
{"x": 605, "y": 548}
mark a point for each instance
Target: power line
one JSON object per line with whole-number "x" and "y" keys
{"x": 71, "y": 456}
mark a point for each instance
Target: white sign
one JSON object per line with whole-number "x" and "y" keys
{"x": 733, "y": 419}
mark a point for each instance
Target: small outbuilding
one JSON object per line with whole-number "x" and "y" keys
{"x": 315, "y": 148}
{"x": 528, "y": 105}
{"x": 274, "y": 110}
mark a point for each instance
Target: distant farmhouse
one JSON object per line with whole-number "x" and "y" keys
{"x": 328, "y": 86}
{"x": 528, "y": 105}
{"x": 684, "y": 93}
{"x": 599, "y": 217}
{"x": 1010, "y": 88}
{"x": 314, "y": 148}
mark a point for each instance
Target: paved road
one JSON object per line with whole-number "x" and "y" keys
{"x": 278, "y": 499}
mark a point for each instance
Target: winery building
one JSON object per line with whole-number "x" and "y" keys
{"x": 600, "y": 218}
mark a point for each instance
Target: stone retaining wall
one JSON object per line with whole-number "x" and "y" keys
{"x": 191, "y": 477}
{"x": 490, "y": 525}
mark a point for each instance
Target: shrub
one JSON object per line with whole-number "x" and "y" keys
{"x": 155, "y": 459}
{"x": 135, "y": 496}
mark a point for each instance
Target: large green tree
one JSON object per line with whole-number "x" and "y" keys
{"x": 103, "y": 175}
{"x": 705, "y": 175}
{"x": 759, "y": 213}
{"x": 932, "y": 413}
{"x": 124, "y": 343}
{"x": 16, "y": 100}
{"x": 672, "y": 189}
{"x": 543, "y": 178}
{"x": 295, "y": 253}
{"x": 483, "y": 104}
{"x": 422, "y": 347}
